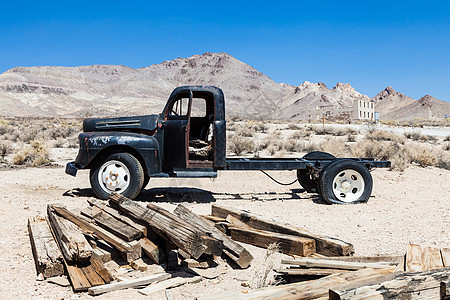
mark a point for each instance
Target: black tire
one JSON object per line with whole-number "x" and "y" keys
{"x": 345, "y": 181}
{"x": 304, "y": 177}
{"x": 125, "y": 177}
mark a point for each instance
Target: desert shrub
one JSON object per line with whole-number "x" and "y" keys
{"x": 5, "y": 149}
{"x": 300, "y": 134}
{"x": 239, "y": 144}
{"x": 5, "y": 127}
{"x": 35, "y": 154}
{"x": 328, "y": 131}
{"x": 422, "y": 156}
{"x": 334, "y": 146}
{"x": 447, "y": 138}
{"x": 397, "y": 153}
{"x": 381, "y": 135}
{"x": 261, "y": 127}
{"x": 444, "y": 162}
{"x": 245, "y": 130}
{"x": 293, "y": 126}
{"x": 307, "y": 146}
{"x": 351, "y": 137}
{"x": 446, "y": 146}
{"x": 417, "y": 136}
{"x": 264, "y": 274}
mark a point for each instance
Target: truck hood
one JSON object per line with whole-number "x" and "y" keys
{"x": 139, "y": 124}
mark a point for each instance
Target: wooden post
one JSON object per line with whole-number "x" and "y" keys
{"x": 233, "y": 250}
{"x": 288, "y": 244}
{"x": 71, "y": 240}
{"x": 192, "y": 242}
{"x": 47, "y": 256}
{"x": 110, "y": 238}
{"x": 324, "y": 245}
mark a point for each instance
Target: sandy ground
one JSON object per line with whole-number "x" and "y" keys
{"x": 411, "y": 206}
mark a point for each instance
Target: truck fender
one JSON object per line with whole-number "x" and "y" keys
{"x": 95, "y": 145}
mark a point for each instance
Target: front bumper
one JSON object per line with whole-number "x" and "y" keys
{"x": 71, "y": 168}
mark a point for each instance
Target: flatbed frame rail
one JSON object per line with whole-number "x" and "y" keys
{"x": 251, "y": 164}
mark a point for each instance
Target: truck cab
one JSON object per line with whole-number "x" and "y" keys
{"x": 188, "y": 139}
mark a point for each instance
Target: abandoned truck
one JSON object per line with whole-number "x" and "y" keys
{"x": 188, "y": 139}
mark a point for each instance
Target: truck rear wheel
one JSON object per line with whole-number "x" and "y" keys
{"x": 119, "y": 172}
{"x": 345, "y": 181}
{"x": 305, "y": 177}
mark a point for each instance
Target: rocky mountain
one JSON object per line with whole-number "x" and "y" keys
{"x": 102, "y": 90}
{"x": 393, "y": 105}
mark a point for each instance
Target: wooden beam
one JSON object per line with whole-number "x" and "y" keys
{"x": 288, "y": 244}
{"x": 103, "y": 205}
{"x": 169, "y": 283}
{"x": 101, "y": 270}
{"x": 213, "y": 218}
{"x": 309, "y": 272}
{"x": 192, "y": 242}
{"x": 92, "y": 276}
{"x": 110, "y": 238}
{"x": 411, "y": 285}
{"x": 388, "y": 259}
{"x": 152, "y": 250}
{"x": 214, "y": 246}
{"x": 420, "y": 258}
{"x": 47, "y": 256}
{"x": 233, "y": 250}
{"x": 313, "y": 289}
{"x": 117, "y": 227}
{"x": 237, "y": 223}
{"x": 445, "y": 290}
{"x": 445, "y": 253}
{"x": 323, "y": 263}
{"x": 71, "y": 240}
{"x": 324, "y": 245}
{"x": 132, "y": 283}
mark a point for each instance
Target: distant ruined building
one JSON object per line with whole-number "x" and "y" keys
{"x": 360, "y": 110}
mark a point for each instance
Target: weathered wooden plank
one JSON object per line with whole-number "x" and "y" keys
{"x": 233, "y": 250}
{"x": 117, "y": 227}
{"x": 102, "y": 255}
{"x": 77, "y": 278}
{"x": 213, "y": 218}
{"x": 323, "y": 263}
{"x": 431, "y": 258}
{"x": 445, "y": 290}
{"x": 169, "y": 283}
{"x": 101, "y": 270}
{"x": 118, "y": 215}
{"x": 445, "y": 253}
{"x": 152, "y": 250}
{"x": 324, "y": 245}
{"x": 47, "y": 256}
{"x": 288, "y": 244}
{"x": 387, "y": 259}
{"x": 183, "y": 237}
{"x": 313, "y": 289}
{"x": 110, "y": 238}
{"x": 413, "y": 258}
{"x": 71, "y": 240}
{"x": 92, "y": 276}
{"x": 309, "y": 272}
{"x": 411, "y": 285}
{"x": 193, "y": 263}
{"x": 213, "y": 246}
{"x": 236, "y": 222}
{"x": 127, "y": 284}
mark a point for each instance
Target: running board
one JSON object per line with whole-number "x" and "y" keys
{"x": 188, "y": 174}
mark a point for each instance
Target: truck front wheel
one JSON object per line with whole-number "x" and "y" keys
{"x": 119, "y": 172}
{"x": 345, "y": 181}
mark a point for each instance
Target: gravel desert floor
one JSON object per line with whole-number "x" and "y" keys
{"x": 410, "y": 206}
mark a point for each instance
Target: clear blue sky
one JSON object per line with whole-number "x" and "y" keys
{"x": 370, "y": 44}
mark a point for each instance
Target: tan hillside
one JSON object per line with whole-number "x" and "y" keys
{"x": 101, "y": 90}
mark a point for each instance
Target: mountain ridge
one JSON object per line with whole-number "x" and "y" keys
{"x": 100, "y": 90}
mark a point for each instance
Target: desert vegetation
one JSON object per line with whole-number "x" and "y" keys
{"x": 28, "y": 142}
{"x": 292, "y": 139}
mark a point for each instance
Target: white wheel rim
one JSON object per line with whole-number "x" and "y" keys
{"x": 114, "y": 176}
{"x": 348, "y": 185}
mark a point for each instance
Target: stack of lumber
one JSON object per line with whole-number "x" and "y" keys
{"x": 80, "y": 242}
{"x": 246, "y": 227}
{"x": 422, "y": 273}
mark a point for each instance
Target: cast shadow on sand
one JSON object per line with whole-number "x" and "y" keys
{"x": 196, "y": 195}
